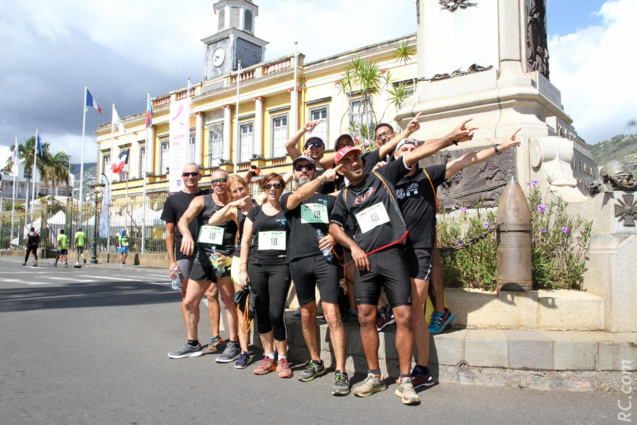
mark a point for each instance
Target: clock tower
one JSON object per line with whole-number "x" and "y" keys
{"x": 234, "y": 40}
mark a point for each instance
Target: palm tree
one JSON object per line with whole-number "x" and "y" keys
{"x": 25, "y": 153}
{"x": 58, "y": 169}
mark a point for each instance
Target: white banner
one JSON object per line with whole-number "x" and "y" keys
{"x": 179, "y": 134}
{"x": 106, "y": 201}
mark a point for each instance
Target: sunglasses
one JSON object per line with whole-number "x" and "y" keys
{"x": 272, "y": 185}
{"x": 314, "y": 144}
{"x": 308, "y": 167}
{"x": 190, "y": 174}
{"x": 221, "y": 180}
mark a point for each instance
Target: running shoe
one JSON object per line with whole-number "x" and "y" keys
{"x": 267, "y": 365}
{"x": 405, "y": 391}
{"x": 439, "y": 321}
{"x": 66, "y": 265}
{"x": 420, "y": 377}
{"x": 283, "y": 367}
{"x": 341, "y": 384}
{"x": 384, "y": 318}
{"x": 230, "y": 354}
{"x": 242, "y": 361}
{"x": 313, "y": 369}
{"x": 217, "y": 345}
{"x": 55, "y": 264}
{"x": 24, "y": 264}
{"x": 371, "y": 385}
{"x": 186, "y": 351}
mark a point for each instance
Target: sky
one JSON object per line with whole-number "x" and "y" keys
{"x": 121, "y": 49}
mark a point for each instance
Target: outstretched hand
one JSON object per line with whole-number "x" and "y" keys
{"x": 240, "y": 203}
{"x": 414, "y": 125}
{"x": 311, "y": 125}
{"x": 510, "y": 141}
{"x": 330, "y": 174}
{"x": 463, "y": 133}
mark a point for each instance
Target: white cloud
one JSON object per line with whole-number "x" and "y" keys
{"x": 596, "y": 70}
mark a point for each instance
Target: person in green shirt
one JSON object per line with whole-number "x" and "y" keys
{"x": 80, "y": 242}
{"x": 122, "y": 246}
{"x": 63, "y": 249}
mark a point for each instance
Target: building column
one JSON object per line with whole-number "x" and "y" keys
{"x": 199, "y": 122}
{"x": 150, "y": 150}
{"x": 294, "y": 112}
{"x": 258, "y": 127}
{"x": 227, "y": 127}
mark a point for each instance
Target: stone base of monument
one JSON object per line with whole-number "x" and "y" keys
{"x": 570, "y": 360}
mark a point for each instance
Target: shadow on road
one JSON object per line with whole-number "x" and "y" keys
{"x": 79, "y": 295}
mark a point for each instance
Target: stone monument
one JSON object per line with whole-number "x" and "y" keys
{"x": 488, "y": 60}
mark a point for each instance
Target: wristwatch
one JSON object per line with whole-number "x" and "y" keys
{"x": 497, "y": 151}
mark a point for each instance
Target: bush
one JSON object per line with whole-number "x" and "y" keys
{"x": 560, "y": 244}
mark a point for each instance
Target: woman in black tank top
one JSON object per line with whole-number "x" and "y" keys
{"x": 263, "y": 252}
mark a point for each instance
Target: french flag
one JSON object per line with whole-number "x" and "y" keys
{"x": 123, "y": 160}
{"x": 92, "y": 103}
{"x": 149, "y": 112}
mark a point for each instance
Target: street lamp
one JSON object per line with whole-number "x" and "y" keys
{"x": 96, "y": 194}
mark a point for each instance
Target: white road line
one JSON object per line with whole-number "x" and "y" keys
{"x": 70, "y": 279}
{"x": 121, "y": 279}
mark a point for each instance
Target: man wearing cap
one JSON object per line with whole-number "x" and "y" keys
{"x": 312, "y": 265}
{"x": 379, "y": 233}
{"x": 416, "y": 194}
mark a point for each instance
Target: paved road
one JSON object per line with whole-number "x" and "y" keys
{"x": 88, "y": 346}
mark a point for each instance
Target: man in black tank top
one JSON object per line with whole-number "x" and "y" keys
{"x": 377, "y": 249}
{"x": 212, "y": 242}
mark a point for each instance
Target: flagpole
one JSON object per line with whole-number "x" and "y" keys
{"x": 16, "y": 162}
{"x": 145, "y": 170}
{"x": 238, "y": 135}
{"x": 35, "y": 162}
{"x": 82, "y": 151}
{"x": 112, "y": 129}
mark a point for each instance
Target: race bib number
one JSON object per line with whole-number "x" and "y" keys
{"x": 272, "y": 241}
{"x": 314, "y": 213}
{"x": 372, "y": 217}
{"x": 211, "y": 234}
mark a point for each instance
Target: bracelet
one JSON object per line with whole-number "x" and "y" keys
{"x": 497, "y": 151}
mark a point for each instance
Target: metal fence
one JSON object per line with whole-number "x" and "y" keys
{"x": 134, "y": 216}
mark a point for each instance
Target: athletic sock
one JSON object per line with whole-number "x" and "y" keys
{"x": 282, "y": 357}
{"x": 193, "y": 343}
{"x": 375, "y": 372}
{"x": 270, "y": 355}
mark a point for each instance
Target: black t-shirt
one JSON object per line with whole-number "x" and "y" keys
{"x": 33, "y": 241}
{"x": 311, "y": 214}
{"x": 417, "y": 200}
{"x": 174, "y": 207}
{"x": 240, "y": 218}
{"x": 221, "y": 237}
{"x": 269, "y": 237}
{"x": 375, "y": 215}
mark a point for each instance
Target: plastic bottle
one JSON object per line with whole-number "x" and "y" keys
{"x": 327, "y": 252}
{"x": 176, "y": 282}
{"x": 214, "y": 257}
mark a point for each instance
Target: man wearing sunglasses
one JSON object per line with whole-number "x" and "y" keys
{"x": 174, "y": 208}
{"x": 376, "y": 245}
{"x": 307, "y": 212}
{"x": 213, "y": 243}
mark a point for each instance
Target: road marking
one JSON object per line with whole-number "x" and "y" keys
{"x": 71, "y": 279}
{"x": 120, "y": 279}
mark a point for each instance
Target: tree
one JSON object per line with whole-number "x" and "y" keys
{"x": 53, "y": 168}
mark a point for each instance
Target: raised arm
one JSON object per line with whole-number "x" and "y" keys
{"x": 308, "y": 189}
{"x": 291, "y": 145}
{"x": 472, "y": 158}
{"x": 462, "y": 133}
{"x": 187, "y": 242}
{"x": 389, "y": 147}
{"x": 227, "y": 213}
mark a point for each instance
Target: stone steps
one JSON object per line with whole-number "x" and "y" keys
{"x": 574, "y": 360}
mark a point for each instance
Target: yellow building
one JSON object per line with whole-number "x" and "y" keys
{"x": 233, "y": 128}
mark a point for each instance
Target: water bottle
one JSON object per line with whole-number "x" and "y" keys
{"x": 214, "y": 257}
{"x": 176, "y": 282}
{"x": 327, "y": 252}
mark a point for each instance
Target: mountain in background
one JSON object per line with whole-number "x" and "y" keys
{"x": 90, "y": 177}
{"x": 621, "y": 148}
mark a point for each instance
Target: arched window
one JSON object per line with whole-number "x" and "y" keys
{"x": 247, "y": 18}
{"x": 222, "y": 19}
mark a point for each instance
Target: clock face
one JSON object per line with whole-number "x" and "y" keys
{"x": 218, "y": 57}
